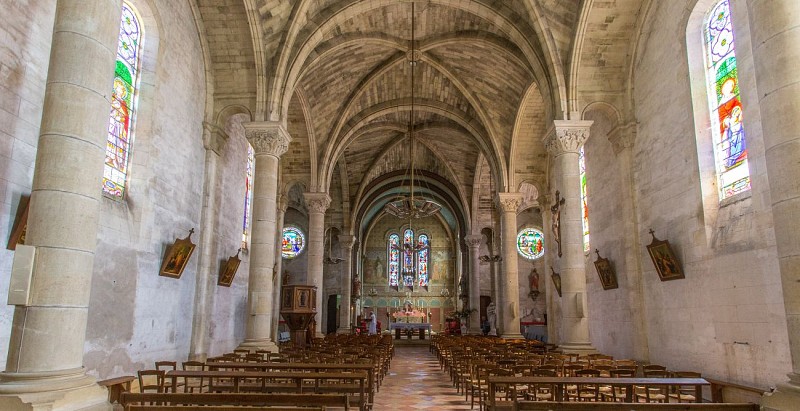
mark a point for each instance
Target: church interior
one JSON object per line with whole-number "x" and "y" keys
{"x": 575, "y": 178}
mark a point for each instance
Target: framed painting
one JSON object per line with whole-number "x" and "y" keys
{"x": 556, "y": 280}
{"x": 302, "y": 299}
{"x": 667, "y": 265}
{"x": 20, "y": 227}
{"x": 608, "y": 278}
{"x": 229, "y": 270}
{"x": 178, "y": 254}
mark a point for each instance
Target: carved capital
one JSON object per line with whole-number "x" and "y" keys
{"x": 567, "y": 136}
{"x": 347, "y": 241}
{"x": 214, "y": 137}
{"x": 509, "y": 202}
{"x": 622, "y": 137}
{"x": 317, "y": 202}
{"x": 267, "y": 137}
{"x": 473, "y": 241}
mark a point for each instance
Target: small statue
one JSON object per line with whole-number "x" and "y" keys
{"x": 356, "y": 287}
{"x": 491, "y": 312}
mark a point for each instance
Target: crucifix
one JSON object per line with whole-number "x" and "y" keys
{"x": 556, "y": 210}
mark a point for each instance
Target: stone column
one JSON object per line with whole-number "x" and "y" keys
{"x": 563, "y": 142}
{"x": 622, "y": 139}
{"x": 214, "y": 139}
{"x": 277, "y": 278}
{"x": 317, "y": 204}
{"x": 269, "y": 140}
{"x": 474, "y": 244}
{"x": 551, "y": 295}
{"x": 508, "y": 305}
{"x": 347, "y": 242}
{"x": 775, "y": 31}
{"x": 45, "y": 353}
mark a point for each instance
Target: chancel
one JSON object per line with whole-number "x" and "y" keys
{"x": 514, "y": 194}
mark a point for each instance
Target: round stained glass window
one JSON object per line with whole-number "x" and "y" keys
{"x": 293, "y": 242}
{"x": 530, "y": 243}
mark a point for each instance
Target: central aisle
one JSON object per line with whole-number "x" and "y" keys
{"x": 416, "y": 383}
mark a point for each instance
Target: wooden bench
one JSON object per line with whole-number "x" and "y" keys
{"x": 284, "y": 382}
{"x": 231, "y": 402}
{"x": 612, "y": 406}
{"x": 718, "y": 386}
{"x": 117, "y": 386}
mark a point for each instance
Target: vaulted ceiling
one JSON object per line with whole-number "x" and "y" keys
{"x": 492, "y": 76}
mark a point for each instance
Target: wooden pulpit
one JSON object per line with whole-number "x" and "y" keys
{"x": 298, "y": 307}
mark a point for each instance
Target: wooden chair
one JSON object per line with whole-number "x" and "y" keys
{"x": 653, "y": 393}
{"x": 193, "y": 384}
{"x": 684, "y": 393}
{"x": 541, "y": 391}
{"x": 151, "y": 381}
{"x": 588, "y": 392}
{"x": 617, "y": 393}
{"x": 167, "y": 366}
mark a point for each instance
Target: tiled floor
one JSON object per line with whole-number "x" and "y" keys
{"x": 415, "y": 383}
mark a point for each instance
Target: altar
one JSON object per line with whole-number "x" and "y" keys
{"x": 410, "y": 328}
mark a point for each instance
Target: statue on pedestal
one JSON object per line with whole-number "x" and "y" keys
{"x": 491, "y": 312}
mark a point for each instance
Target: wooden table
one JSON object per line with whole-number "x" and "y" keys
{"x": 298, "y": 379}
{"x": 315, "y": 367}
{"x": 561, "y": 383}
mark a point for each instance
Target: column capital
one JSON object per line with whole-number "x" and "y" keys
{"x": 509, "y": 202}
{"x": 622, "y": 137}
{"x": 347, "y": 241}
{"x": 473, "y": 240}
{"x": 214, "y": 137}
{"x": 567, "y": 136}
{"x": 267, "y": 137}
{"x": 317, "y": 202}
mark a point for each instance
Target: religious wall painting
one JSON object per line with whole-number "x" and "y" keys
{"x": 556, "y": 277}
{"x": 533, "y": 284}
{"x": 229, "y": 270}
{"x": 664, "y": 259}
{"x": 293, "y": 242}
{"x": 20, "y": 227}
{"x": 177, "y": 256}
{"x": 608, "y": 277}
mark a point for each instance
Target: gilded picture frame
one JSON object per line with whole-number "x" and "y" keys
{"x": 608, "y": 277}
{"x": 177, "y": 256}
{"x": 556, "y": 280}
{"x": 229, "y": 270}
{"x": 666, "y": 263}
{"x": 20, "y": 227}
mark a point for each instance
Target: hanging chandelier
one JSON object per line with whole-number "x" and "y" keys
{"x": 409, "y": 206}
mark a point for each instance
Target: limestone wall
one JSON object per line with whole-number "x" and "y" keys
{"x": 726, "y": 318}
{"x": 25, "y": 37}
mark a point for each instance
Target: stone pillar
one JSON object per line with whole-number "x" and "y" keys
{"x": 214, "y": 140}
{"x": 277, "y": 278}
{"x": 551, "y": 295}
{"x": 474, "y": 244}
{"x": 45, "y": 353}
{"x": 494, "y": 273}
{"x": 563, "y": 142}
{"x": 347, "y": 242}
{"x": 775, "y": 31}
{"x": 317, "y": 204}
{"x": 508, "y": 305}
{"x": 622, "y": 139}
{"x": 269, "y": 140}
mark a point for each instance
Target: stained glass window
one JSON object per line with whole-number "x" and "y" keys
{"x": 123, "y": 104}
{"x": 422, "y": 260}
{"x": 530, "y": 243}
{"x": 733, "y": 174}
{"x": 584, "y": 205}
{"x": 293, "y": 242}
{"x": 248, "y": 193}
{"x": 394, "y": 260}
{"x": 408, "y": 258}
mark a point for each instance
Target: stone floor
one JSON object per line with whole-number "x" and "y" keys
{"x": 416, "y": 383}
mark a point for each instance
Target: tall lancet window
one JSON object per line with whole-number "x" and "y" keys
{"x": 733, "y": 174}
{"x": 123, "y": 104}
{"x": 248, "y": 194}
{"x": 408, "y": 258}
{"x": 422, "y": 260}
{"x": 584, "y": 205}
{"x": 393, "y": 256}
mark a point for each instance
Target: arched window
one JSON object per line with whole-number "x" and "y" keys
{"x": 530, "y": 243}
{"x": 123, "y": 104}
{"x": 393, "y": 256}
{"x": 730, "y": 150}
{"x": 408, "y": 258}
{"x": 584, "y": 205}
{"x": 293, "y": 242}
{"x": 422, "y": 260}
{"x": 248, "y": 193}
